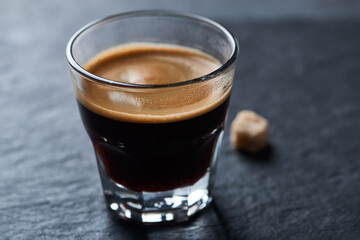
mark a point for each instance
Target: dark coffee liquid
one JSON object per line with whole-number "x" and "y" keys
{"x": 155, "y": 157}
{"x": 145, "y": 146}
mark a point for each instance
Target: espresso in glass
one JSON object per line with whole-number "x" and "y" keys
{"x": 163, "y": 149}
{"x": 153, "y": 90}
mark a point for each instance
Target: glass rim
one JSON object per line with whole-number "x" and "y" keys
{"x": 133, "y": 14}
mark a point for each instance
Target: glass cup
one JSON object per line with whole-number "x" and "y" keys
{"x": 163, "y": 170}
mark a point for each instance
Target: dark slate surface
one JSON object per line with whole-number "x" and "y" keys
{"x": 303, "y": 75}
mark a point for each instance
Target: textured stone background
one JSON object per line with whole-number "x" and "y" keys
{"x": 299, "y": 66}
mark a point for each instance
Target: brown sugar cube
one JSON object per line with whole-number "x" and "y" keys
{"x": 249, "y": 131}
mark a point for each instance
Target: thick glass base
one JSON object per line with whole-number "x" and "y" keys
{"x": 154, "y": 207}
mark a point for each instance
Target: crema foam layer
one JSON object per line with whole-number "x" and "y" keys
{"x": 152, "y": 64}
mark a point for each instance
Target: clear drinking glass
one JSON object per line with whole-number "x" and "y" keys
{"x": 161, "y": 171}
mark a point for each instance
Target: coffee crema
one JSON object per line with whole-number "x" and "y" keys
{"x": 152, "y": 64}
